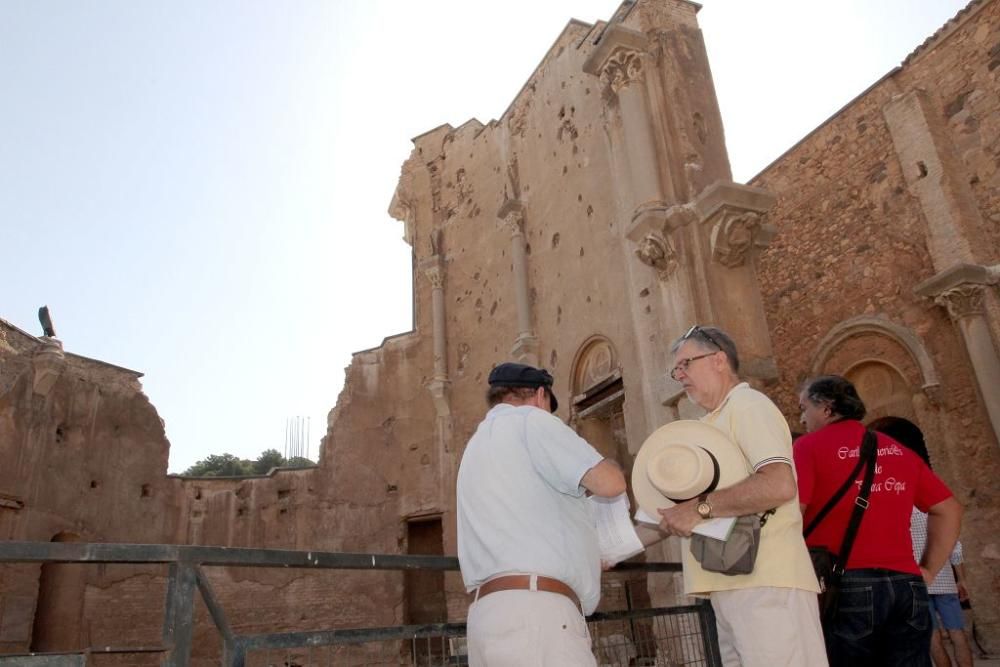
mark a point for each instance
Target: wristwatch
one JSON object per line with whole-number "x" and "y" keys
{"x": 704, "y": 507}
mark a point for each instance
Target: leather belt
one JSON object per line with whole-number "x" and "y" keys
{"x": 517, "y": 582}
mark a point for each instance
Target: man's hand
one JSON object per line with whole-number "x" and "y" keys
{"x": 680, "y": 519}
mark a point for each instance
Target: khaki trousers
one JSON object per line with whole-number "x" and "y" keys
{"x": 524, "y": 628}
{"x": 769, "y": 627}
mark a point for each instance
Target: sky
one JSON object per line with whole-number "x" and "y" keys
{"x": 198, "y": 188}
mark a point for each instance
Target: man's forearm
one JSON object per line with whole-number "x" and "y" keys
{"x": 771, "y": 486}
{"x": 944, "y": 522}
{"x": 649, "y": 534}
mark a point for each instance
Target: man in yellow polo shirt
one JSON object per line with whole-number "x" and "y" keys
{"x": 770, "y": 616}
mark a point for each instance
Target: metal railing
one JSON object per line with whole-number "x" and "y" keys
{"x": 660, "y": 637}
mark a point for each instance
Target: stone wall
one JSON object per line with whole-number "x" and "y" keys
{"x": 85, "y": 459}
{"x": 900, "y": 185}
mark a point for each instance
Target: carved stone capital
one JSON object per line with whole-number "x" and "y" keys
{"x": 960, "y": 288}
{"x": 433, "y": 270}
{"x": 963, "y": 301}
{"x": 617, "y": 58}
{"x": 659, "y": 216}
{"x": 435, "y": 276}
{"x": 735, "y": 213}
{"x": 656, "y": 250}
{"x": 623, "y": 68}
{"x": 734, "y": 235}
{"x": 48, "y": 362}
{"x": 514, "y": 222}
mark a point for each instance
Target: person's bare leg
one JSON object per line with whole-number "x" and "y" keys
{"x": 938, "y": 653}
{"x": 963, "y": 652}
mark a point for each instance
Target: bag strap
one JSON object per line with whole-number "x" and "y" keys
{"x": 843, "y": 487}
{"x": 869, "y": 448}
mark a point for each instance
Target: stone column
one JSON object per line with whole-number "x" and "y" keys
{"x": 433, "y": 269}
{"x": 962, "y": 291}
{"x": 435, "y": 276}
{"x": 525, "y": 349}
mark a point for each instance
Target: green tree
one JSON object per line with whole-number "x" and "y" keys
{"x": 269, "y": 458}
{"x": 220, "y": 465}
{"x": 299, "y": 462}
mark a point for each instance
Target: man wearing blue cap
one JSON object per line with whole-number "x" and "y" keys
{"x": 527, "y": 544}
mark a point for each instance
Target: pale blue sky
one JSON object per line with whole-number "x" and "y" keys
{"x": 198, "y": 189}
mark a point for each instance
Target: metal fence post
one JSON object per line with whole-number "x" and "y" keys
{"x": 178, "y": 617}
{"x": 709, "y": 633}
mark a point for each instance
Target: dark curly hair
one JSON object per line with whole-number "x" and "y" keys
{"x": 905, "y": 433}
{"x": 838, "y": 394}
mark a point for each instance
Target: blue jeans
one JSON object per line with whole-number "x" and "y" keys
{"x": 882, "y": 619}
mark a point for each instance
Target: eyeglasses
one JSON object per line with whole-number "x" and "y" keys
{"x": 698, "y": 331}
{"x": 682, "y": 365}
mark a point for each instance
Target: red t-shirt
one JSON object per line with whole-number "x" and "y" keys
{"x": 825, "y": 458}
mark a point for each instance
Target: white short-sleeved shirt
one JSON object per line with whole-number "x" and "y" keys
{"x": 521, "y": 508}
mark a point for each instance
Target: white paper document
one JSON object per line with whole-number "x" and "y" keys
{"x": 615, "y": 532}
{"x": 718, "y": 529}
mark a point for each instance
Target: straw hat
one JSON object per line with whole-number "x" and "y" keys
{"x": 682, "y": 460}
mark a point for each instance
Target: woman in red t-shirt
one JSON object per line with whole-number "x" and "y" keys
{"x": 882, "y": 616}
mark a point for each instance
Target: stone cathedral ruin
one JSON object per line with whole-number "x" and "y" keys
{"x": 583, "y": 230}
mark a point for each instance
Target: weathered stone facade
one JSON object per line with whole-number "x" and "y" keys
{"x": 583, "y": 230}
{"x": 886, "y": 260}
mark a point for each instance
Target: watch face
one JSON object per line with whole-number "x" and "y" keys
{"x": 704, "y": 509}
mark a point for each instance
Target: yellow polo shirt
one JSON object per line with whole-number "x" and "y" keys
{"x": 756, "y": 425}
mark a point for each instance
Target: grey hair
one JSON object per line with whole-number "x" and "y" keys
{"x": 709, "y": 339}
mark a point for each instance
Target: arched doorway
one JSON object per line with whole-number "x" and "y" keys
{"x": 894, "y": 375}
{"x": 883, "y": 389}
{"x": 597, "y": 404}
{"x": 58, "y": 614}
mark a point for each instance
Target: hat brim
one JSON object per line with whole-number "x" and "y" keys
{"x": 733, "y": 467}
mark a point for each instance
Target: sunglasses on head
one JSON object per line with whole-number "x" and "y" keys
{"x": 697, "y": 331}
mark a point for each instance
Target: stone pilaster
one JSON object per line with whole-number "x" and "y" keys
{"x": 525, "y": 349}
{"x": 622, "y": 63}
{"x": 936, "y": 176}
{"x": 961, "y": 290}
